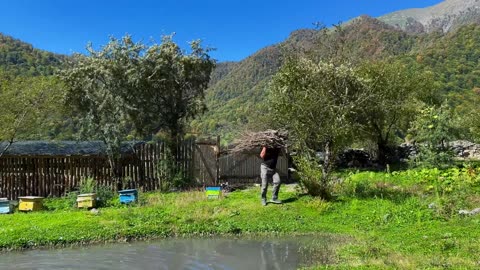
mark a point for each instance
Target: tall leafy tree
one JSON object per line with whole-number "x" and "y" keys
{"x": 126, "y": 84}
{"x": 396, "y": 95}
{"x": 317, "y": 102}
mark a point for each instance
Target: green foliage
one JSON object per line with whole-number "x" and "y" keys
{"x": 452, "y": 58}
{"x": 106, "y": 196}
{"x": 433, "y": 130}
{"x": 21, "y": 59}
{"x": 396, "y": 94}
{"x": 310, "y": 174}
{"x": 87, "y": 185}
{"x": 28, "y": 106}
{"x": 60, "y": 204}
{"x": 154, "y": 87}
{"x": 131, "y": 85}
{"x": 317, "y": 103}
{"x": 467, "y": 114}
{"x": 448, "y": 61}
{"x": 172, "y": 175}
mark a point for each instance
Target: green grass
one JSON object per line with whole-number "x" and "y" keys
{"x": 400, "y": 220}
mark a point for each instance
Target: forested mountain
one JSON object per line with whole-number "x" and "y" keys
{"x": 27, "y": 85}
{"x": 238, "y": 89}
{"x": 20, "y": 58}
{"x": 237, "y": 97}
{"x": 236, "y": 93}
{"x": 453, "y": 58}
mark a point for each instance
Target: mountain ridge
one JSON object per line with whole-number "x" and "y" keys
{"x": 237, "y": 89}
{"x": 441, "y": 17}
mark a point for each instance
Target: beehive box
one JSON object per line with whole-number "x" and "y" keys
{"x": 87, "y": 200}
{"x": 5, "y": 206}
{"x": 128, "y": 196}
{"x": 30, "y": 203}
{"x": 213, "y": 192}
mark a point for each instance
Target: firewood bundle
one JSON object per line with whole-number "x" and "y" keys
{"x": 253, "y": 140}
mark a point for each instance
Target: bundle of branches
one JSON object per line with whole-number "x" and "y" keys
{"x": 253, "y": 140}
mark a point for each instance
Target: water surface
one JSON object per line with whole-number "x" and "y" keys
{"x": 167, "y": 254}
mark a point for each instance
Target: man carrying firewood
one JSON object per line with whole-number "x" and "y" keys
{"x": 272, "y": 143}
{"x": 268, "y": 171}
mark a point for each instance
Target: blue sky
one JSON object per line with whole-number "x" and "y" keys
{"x": 236, "y": 28}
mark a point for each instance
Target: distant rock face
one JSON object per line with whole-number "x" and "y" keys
{"x": 444, "y": 16}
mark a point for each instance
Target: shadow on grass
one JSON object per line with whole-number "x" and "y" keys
{"x": 290, "y": 200}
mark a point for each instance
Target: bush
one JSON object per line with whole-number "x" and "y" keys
{"x": 433, "y": 129}
{"x": 64, "y": 203}
{"x": 171, "y": 175}
{"x": 310, "y": 174}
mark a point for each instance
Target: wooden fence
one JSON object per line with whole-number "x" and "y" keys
{"x": 57, "y": 175}
{"x": 245, "y": 168}
{"x": 145, "y": 169}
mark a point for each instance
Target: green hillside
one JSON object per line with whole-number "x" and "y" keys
{"x": 20, "y": 58}
{"x": 234, "y": 99}
{"x": 25, "y": 74}
{"x": 452, "y": 57}
{"x": 237, "y": 89}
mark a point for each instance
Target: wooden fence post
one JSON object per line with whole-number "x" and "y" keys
{"x": 217, "y": 162}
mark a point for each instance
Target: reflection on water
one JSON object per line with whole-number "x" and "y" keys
{"x": 165, "y": 254}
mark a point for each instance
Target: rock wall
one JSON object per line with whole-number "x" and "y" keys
{"x": 359, "y": 158}
{"x": 466, "y": 149}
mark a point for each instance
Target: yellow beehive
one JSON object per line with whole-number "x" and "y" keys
{"x": 86, "y": 200}
{"x": 30, "y": 203}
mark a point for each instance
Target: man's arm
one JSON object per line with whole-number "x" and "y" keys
{"x": 264, "y": 151}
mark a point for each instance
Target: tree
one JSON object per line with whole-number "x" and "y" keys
{"x": 466, "y": 106}
{"x": 128, "y": 85}
{"x": 316, "y": 103}
{"x": 432, "y": 130}
{"x": 396, "y": 95}
{"x": 24, "y": 105}
{"x": 169, "y": 87}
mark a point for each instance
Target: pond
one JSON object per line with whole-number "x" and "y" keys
{"x": 204, "y": 253}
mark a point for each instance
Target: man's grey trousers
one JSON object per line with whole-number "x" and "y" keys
{"x": 268, "y": 174}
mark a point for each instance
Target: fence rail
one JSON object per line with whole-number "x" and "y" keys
{"x": 245, "y": 168}
{"x": 56, "y": 175}
{"x": 145, "y": 169}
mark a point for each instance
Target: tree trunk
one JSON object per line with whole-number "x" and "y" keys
{"x": 326, "y": 169}
{"x": 383, "y": 152}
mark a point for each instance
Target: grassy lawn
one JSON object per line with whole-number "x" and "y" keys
{"x": 406, "y": 220}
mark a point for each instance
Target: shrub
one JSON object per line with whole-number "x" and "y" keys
{"x": 310, "y": 174}
{"x": 433, "y": 129}
{"x": 172, "y": 176}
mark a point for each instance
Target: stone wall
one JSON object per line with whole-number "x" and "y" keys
{"x": 466, "y": 149}
{"x": 358, "y": 158}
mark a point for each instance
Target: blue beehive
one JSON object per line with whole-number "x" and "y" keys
{"x": 5, "y": 206}
{"x": 128, "y": 196}
{"x": 213, "y": 192}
